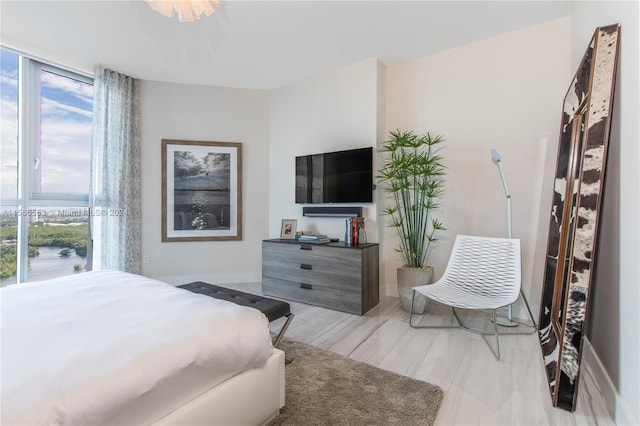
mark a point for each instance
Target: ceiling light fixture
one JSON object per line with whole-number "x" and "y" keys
{"x": 188, "y": 10}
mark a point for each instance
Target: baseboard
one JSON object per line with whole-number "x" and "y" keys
{"x": 592, "y": 363}
{"x": 615, "y": 404}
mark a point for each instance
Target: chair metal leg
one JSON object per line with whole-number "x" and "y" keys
{"x": 455, "y": 314}
{"x": 496, "y": 353}
{"x": 524, "y": 298}
{"x": 495, "y": 333}
{"x": 460, "y": 324}
{"x": 413, "y": 298}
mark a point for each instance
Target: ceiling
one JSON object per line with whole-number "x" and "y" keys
{"x": 255, "y": 44}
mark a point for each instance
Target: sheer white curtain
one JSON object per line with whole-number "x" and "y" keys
{"x": 115, "y": 173}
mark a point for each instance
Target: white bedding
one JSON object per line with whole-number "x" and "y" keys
{"x": 116, "y": 348}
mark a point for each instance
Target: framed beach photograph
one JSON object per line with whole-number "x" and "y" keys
{"x": 288, "y": 229}
{"x": 201, "y": 191}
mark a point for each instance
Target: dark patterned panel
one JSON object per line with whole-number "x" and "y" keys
{"x": 594, "y": 82}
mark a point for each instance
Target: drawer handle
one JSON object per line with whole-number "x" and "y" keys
{"x": 305, "y": 266}
{"x": 305, "y": 247}
{"x": 306, "y": 286}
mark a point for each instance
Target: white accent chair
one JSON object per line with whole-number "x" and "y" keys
{"x": 482, "y": 273}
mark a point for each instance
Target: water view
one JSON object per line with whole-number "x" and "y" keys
{"x": 57, "y": 245}
{"x": 50, "y": 264}
{"x": 201, "y": 210}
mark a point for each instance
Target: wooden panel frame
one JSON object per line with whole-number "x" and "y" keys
{"x": 577, "y": 201}
{"x": 201, "y": 191}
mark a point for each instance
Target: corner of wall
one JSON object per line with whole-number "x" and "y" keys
{"x": 381, "y": 130}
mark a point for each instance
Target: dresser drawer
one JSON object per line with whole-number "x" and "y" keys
{"x": 300, "y": 253}
{"x": 307, "y": 293}
{"x": 332, "y": 275}
{"x": 316, "y": 266}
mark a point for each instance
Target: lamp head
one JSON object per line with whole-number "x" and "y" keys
{"x": 495, "y": 156}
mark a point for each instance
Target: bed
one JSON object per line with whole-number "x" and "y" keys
{"x": 115, "y": 348}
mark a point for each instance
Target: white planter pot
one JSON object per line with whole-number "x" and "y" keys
{"x": 412, "y": 277}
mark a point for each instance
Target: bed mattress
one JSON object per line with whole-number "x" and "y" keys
{"x": 116, "y": 348}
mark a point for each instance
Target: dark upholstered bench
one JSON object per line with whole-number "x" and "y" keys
{"x": 272, "y": 308}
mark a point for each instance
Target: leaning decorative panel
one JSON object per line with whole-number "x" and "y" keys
{"x": 577, "y": 201}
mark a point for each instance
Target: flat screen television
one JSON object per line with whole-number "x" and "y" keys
{"x": 335, "y": 177}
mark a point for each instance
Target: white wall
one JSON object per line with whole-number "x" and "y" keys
{"x": 186, "y": 112}
{"x": 506, "y": 93}
{"x": 613, "y": 319}
{"x": 336, "y": 111}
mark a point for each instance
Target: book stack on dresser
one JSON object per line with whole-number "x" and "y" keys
{"x": 314, "y": 238}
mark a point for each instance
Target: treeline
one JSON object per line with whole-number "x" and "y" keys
{"x": 71, "y": 236}
{"x": 7, "y": 260}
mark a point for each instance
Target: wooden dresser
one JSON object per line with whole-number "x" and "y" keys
{"x": 333, "y": 275}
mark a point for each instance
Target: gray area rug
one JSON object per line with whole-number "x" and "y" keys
{"x": 324, "y": 388}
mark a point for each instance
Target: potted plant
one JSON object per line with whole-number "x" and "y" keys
{"x": 412, "y": 176}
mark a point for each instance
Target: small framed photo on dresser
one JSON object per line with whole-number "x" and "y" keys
{"x": 288, "y": 229}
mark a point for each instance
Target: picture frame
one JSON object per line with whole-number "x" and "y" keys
{"x": 201, "y": 191}
{"x": 288, "y": 229}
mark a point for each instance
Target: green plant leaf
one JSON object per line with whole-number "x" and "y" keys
{"x": 412, "y": 175}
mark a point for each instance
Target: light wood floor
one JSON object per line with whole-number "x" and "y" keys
{"x": 478, "y": 389}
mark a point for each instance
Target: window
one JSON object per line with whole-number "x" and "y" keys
{"x": 45, "y": 165}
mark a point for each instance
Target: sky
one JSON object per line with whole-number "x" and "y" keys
{"x": 65, "y": 142}
{"x": 188, "y": 164}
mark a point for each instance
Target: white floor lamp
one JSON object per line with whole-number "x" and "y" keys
{"x": 495, "y": 157}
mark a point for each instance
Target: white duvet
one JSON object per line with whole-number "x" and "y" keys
{"x": 116, "y": 348}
